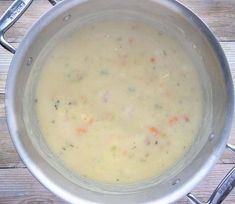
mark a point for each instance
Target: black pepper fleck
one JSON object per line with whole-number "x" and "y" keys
{"x": 56, "y": 105}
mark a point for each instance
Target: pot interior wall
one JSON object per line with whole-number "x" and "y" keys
{"x": 166, "y": 16}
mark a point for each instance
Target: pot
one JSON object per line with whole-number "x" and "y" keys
{"x": 180, "y": 23}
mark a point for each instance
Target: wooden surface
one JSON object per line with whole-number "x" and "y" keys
{"x": 16, "y": 183}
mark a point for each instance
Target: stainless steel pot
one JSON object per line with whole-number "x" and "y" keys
{"x": 179, "y": 22}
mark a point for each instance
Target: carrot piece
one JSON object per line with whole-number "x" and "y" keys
{"x": 152, "y": 59}
{"x": 172, "y": 120}
{"x": 82, "y": 130}
{"x": 154, "y": 130}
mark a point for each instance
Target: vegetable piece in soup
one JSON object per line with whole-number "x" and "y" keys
{"x": 119, "y": 102}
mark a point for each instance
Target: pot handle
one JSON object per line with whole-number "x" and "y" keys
{"x": 222, "y": 190}
{"x": 54, "y": 2}
{"x": 12, "y": 14}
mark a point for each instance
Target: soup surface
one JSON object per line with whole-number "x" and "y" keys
{"x": 118, "y": 101}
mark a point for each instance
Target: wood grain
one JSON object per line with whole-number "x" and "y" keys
{"x": 219, "y": 15}
{"x": 18, "y": 186}
{"x": 16, "y": 32}
{"x": 8, "y": 156}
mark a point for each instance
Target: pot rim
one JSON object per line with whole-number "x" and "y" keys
{"x": 52, "y": 185}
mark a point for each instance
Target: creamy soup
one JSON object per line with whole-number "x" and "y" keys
{"x": 118, "y": 101}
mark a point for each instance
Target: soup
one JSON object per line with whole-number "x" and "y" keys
{"x": 119, "y": 101}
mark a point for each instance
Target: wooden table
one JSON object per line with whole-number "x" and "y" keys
{"x": 17, "y": 185}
